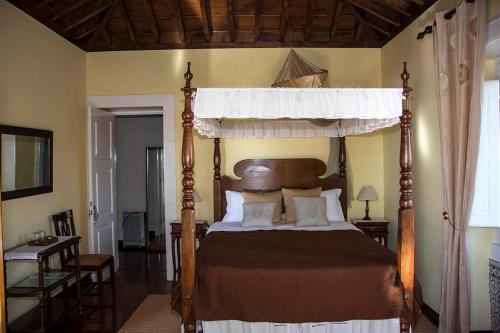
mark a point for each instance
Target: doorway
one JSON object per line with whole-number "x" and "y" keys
{"x": 129, "y": 108}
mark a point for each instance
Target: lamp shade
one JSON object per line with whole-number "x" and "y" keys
{"x": 367, "y": 193}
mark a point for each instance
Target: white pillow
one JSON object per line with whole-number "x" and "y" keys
{"x": 234, "y": 207}
{"x": 258, "y": 214}
{"x": 309, "y": 211}
{"x": 333, "y": 207}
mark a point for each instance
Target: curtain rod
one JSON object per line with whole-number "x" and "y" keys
{"x": 449, "y": 15}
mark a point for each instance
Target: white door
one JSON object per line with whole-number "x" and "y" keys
{"x": 103, "y": 183}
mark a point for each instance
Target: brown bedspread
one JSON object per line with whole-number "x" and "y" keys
{"x": 295, "y": 277}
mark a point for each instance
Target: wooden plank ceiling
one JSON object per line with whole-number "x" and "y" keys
{"x": 102, "y": 25}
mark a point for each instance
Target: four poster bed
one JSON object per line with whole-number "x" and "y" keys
{"x": 291, "y": 278}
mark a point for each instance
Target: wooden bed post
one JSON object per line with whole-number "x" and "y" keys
{"x": 217, "y": 184}
{"x": 187, "y": 215}
{"x": 406, "y": 232}
{"x": 342, "y": 157}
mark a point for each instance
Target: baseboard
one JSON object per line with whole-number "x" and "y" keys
{"x": 432, "y": 315}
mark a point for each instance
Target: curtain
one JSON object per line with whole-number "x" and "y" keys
{"x": 459, "y": 47}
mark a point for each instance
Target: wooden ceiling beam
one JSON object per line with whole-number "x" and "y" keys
{"x": 85, "y": 33}
{"x": 362, "y": 21}
{"x": 283, "y": 19}
{"x": 68, "y": 10}
{"x": 336, "y": 18}
{"x": 150, "y": 14}
{"x": 103, "y": 23}
{"x": 41, "y": 4}
{"x": 87, "y": 17}
{"x": 357, "y": 33}
{"x": 257, "y": 21}
{"x": 180, "y": 21}
{"x": 376, "y": 27}
{"x": 309, "y": 19}
{"x": 393, "y": 7}
{"x": 128, "y": 23}
{"x": 230, "y": 20}
{"x": 381, "y": 13}
{"x": 206, "y": 19}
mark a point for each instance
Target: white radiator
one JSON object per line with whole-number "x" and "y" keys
{"x": 133, "y": 229}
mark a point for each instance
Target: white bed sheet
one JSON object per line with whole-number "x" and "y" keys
{"x": 352, "y": 326}
{"x": 236, "y": 227}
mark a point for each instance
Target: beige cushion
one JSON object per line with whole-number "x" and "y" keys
{"x": 259, "y": 197}
{"x": 258, "y": 214}
{"x": 289, "y": 194}
{"x": 310, "y": 211}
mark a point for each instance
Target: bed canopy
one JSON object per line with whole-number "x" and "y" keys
{"x": 287, "y": 112}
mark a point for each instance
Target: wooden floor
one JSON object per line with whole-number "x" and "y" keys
{"x": 134, "y": 283}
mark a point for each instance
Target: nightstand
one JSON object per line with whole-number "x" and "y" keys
{"x": 200, "y": 232}
{"x": 377, "y": 227}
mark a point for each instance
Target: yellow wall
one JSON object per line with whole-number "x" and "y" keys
{"x": 42, "y": 85}
{"x": 148, "y": 72}
{"x": 428, "y": 185}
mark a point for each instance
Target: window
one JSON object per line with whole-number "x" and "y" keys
{"x": 486, "y": 202}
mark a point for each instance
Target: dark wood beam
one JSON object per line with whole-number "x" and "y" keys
{"x": 180, "y": 21}
{"x": 336, "y": 18}
{"x": 376, "y": 27}
{"x": 68, "y": 10}
{"x": 357, "y": 31}
{"x": 393, "y": 7}
{"x": 87, "y": 17}
{"x": 378, "y": 11}
{"x": 102, "y": 24}
{"x": 106, "y": 34}
{"x": 41, "y": 4}
{"x": 128, "y": 23}
{"x": 257, "y": 21}
{"x": 230, "y": 20}
{"x": 283, "y": 19}
{"x": 362, "y": 21}
{"x": 85, "y": 33}
{"x": 206, "y": 19}
{"x": 150, "y": 14}
{"x": 309, "y": 19}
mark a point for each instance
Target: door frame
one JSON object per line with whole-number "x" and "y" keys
{"x": 140, "y": 105}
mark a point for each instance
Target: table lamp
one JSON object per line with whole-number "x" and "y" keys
{"x": 367, "y": 193}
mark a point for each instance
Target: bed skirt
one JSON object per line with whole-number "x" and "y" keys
{"x": 352, "y": 326}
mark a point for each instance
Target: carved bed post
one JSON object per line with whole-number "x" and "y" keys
{"x": 342, "y": 157}
{"x": 187, "y": 215}
{"x": 217, "y": 184}
{"x": 406, "y": 233}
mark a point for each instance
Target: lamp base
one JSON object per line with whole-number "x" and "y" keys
{"x": 367, "y": 210}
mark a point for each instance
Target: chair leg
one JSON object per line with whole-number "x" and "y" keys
{"x": 101, "y": 289}
{"x": 113, "y": 281}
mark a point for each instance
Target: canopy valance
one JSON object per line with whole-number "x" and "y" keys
{"x": 285, "y": 112}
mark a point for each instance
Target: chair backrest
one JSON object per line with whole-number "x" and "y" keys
{"x": 64, "y": 224}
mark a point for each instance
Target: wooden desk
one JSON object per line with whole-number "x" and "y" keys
{"x": 41, "y": 284}
{"x": 201, "y": 231}
{"x": 376, "y": 228}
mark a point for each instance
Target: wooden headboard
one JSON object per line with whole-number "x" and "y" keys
{"x": 274, "y": 174}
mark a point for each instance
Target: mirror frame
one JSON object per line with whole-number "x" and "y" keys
{"x": 26, "y": 192}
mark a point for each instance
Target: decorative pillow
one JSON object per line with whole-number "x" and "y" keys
{"x": 257, "y": 197}
{"x": 333, "y": 206}
{"x": 310, "y": 211}
{"x": 234, "y": 207}
{"x": 258, "y": 214}
{"x": 288, "y": 195}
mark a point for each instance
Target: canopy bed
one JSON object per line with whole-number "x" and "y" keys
{"x": 338, "y": 273}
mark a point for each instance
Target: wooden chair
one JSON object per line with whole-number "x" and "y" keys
{"x": 65, "y": 226}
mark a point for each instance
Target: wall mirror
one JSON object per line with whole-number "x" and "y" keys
{"x": 26, "y": 161}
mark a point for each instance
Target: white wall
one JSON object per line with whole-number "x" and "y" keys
{"x": 133, "y": 136}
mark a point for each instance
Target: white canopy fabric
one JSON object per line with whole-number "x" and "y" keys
{"x": 284, "y": 112}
